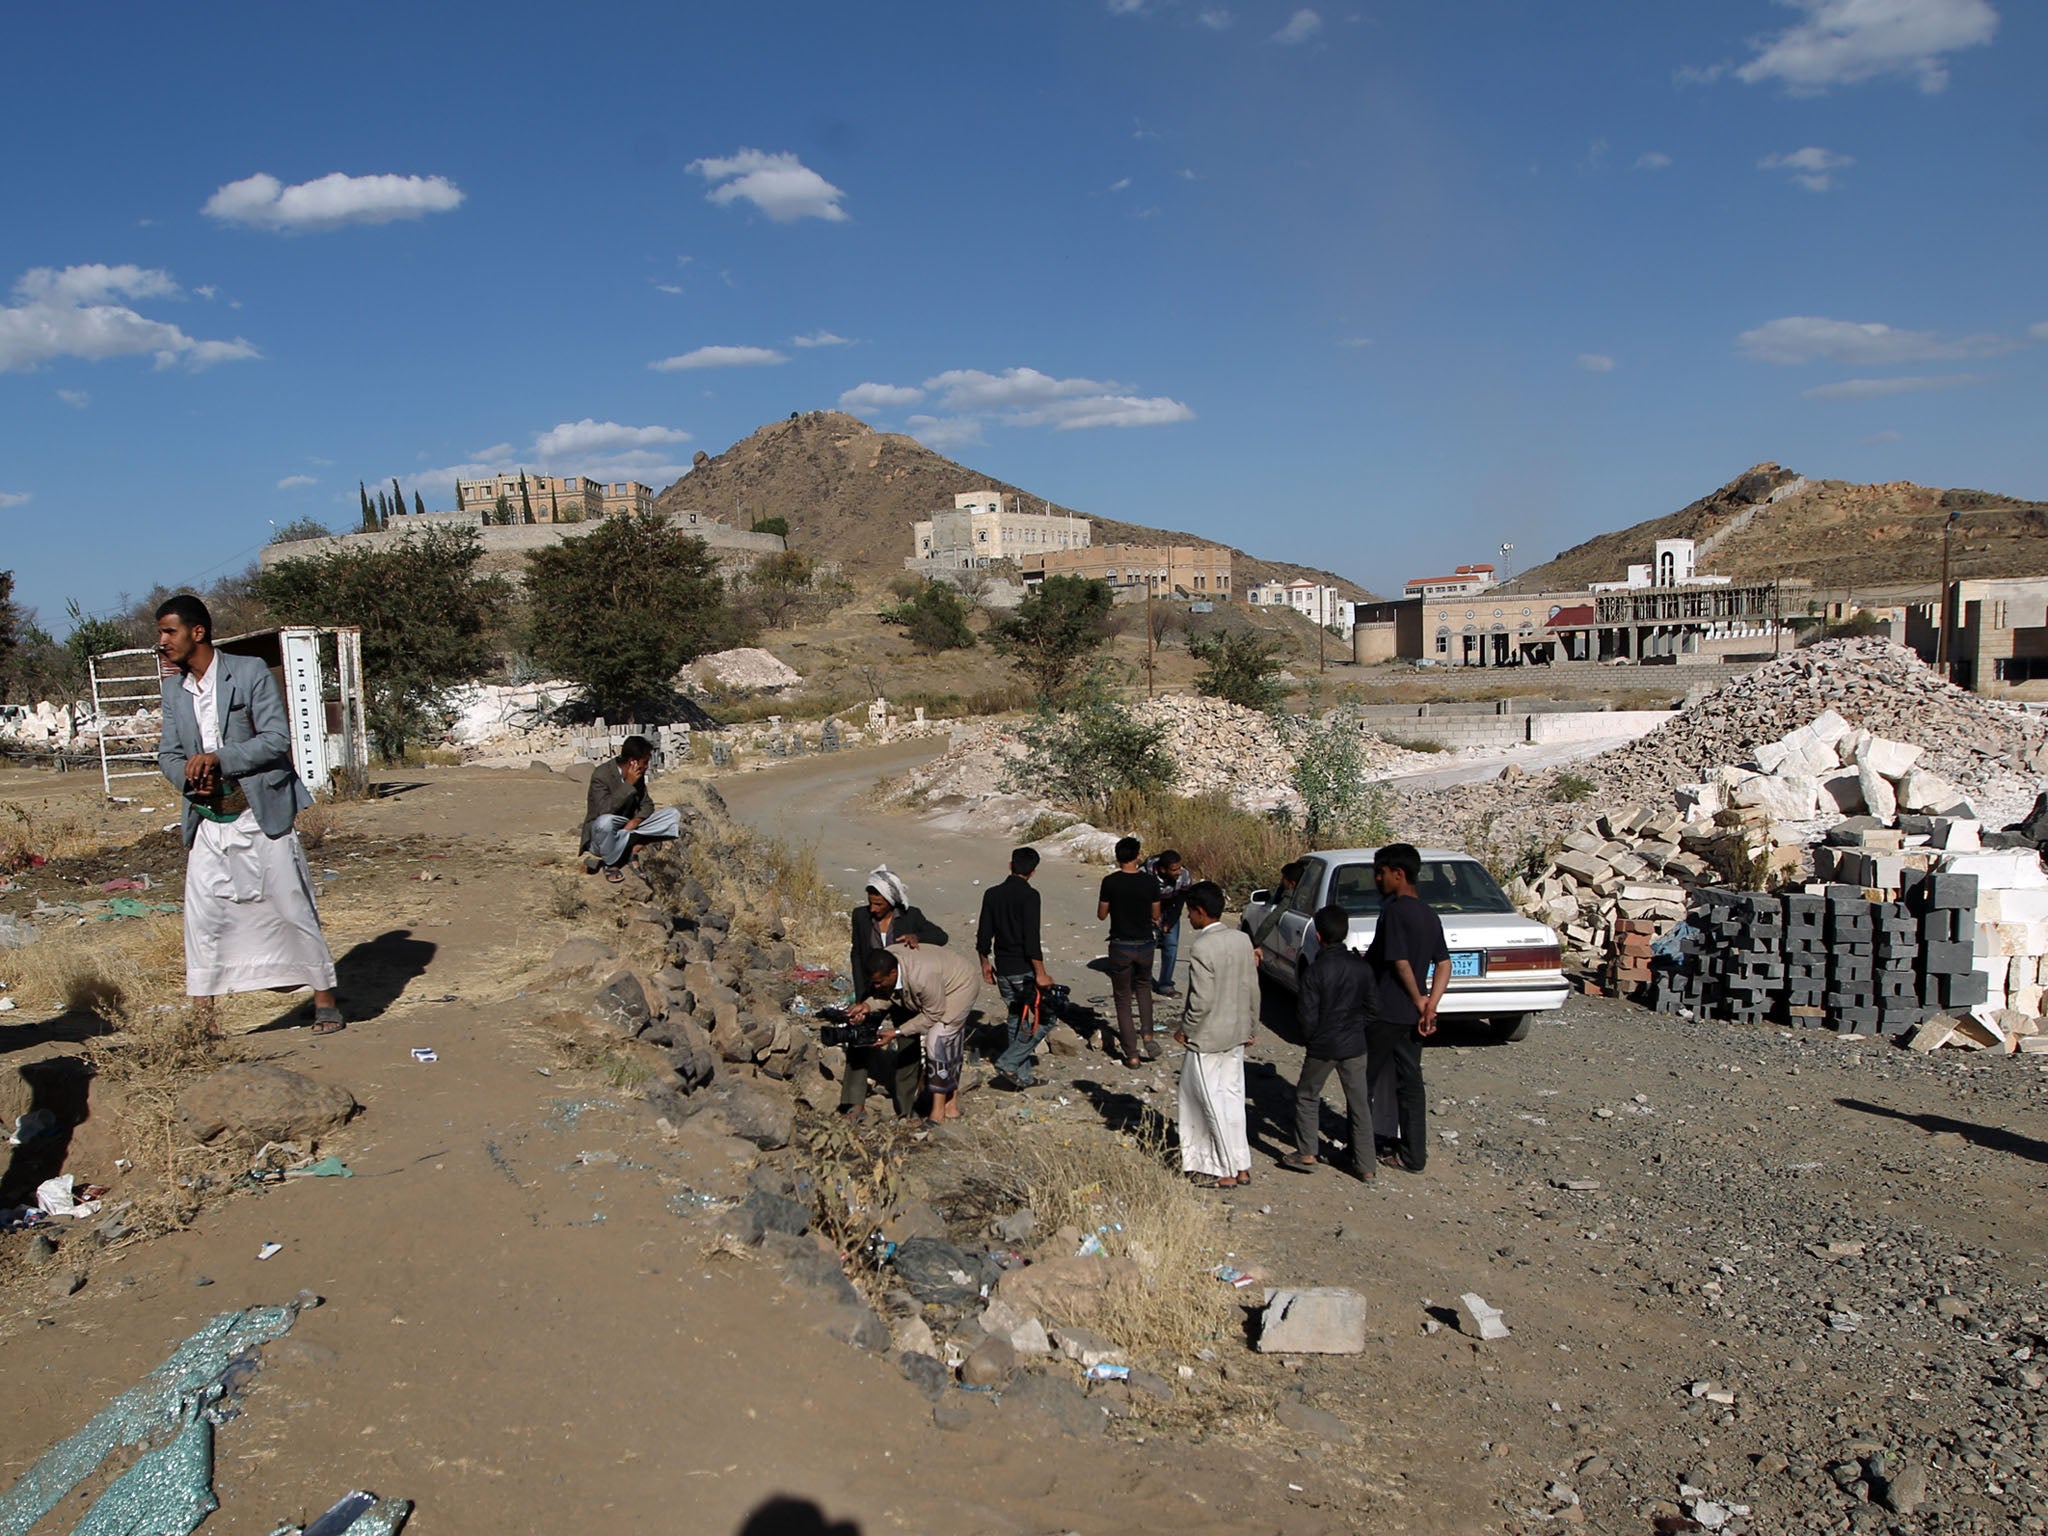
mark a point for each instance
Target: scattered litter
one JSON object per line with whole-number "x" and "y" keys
{"x": 357, "y": 1514}
{"x": 1231, "y": 1275}
{"x": 61, "y": 1197}
{"x": 424, "y": 1053}
{"x": 269, "y": 1250}
{"x": 328, "y": 1167}
{"x": 1107, "y": 1372}
{"x": 32, "y": 1126}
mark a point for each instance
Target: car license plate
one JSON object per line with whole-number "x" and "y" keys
{"x": 1464, "y": 962}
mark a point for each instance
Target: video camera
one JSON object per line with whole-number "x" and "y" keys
{"x": 841, "y": 1028}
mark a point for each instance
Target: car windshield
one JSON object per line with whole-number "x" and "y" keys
{"x": 1448, "y": 885}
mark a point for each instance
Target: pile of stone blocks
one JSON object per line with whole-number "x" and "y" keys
{"x": 1827, "y": 768}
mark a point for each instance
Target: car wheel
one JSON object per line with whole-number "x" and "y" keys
{"x": 1515, "y": 1026}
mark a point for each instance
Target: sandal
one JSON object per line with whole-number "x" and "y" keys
{"x": 1298, "y": 1162}
{"x": 328, "y": 1021}
{"x": 1208, "y": 1181}
{"x": 615, "y": 877}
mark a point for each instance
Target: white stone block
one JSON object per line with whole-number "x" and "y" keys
{"x": 1478, "y": 1319}
{"x": 1843, "y": 791}
{"x": 1322, "y": 1320}
{"x": 2006, "y": 868}
{"x": 1959, "y": 835}
{"x": 1829, "y": 727}
{"x": 1879, "y": 799}
{"x": 1893, "y": 759}
{"x": 1927, "y": 792}
{"x": 1771, "y": 755}
{"x": 1783, "y": 798}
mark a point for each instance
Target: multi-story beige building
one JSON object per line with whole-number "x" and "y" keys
{"x": 982, "y": 527}
{"x": 556, "y": 498}
{"x": 1197, "y": 570}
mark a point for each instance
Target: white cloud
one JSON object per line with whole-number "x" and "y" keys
{"x": 77, "y": 399}
{"x": 1354, "y": 341}
{"x": 867, "y": 399}
{"x": 1024, "y": 397}
{"x": 1217, "y": 19}
{"x": 1301, "y": 26}
{"x": 1842, "y": 42}
{"x": 1811, "y": 167}
{"x": 1877, "y": 439}
{"x": 14, "y": 498}
{"x": 1121, "y": 184}
{"x": 295, "y": 482}
{"x": 668, "y": 288}
{"x": 1798, "y": 339}
{"x": 1879, "y": 389}
{"x": 70, "y": 312}
{"x": 1596, "y": 362}
{"x": 579, "y": 439}
{"x": 207, "y": 291}
{"x": 1126, "y": 7}
{"x": 719, "y": 357}
{"x": 2038, "y": 331}
{"x": 946, "y": 432}
{"x": 1652, "y": 160}
{"x": 780, "y": 185}
{"x": 821, "y": 339}
{"x": 263, "y": 202}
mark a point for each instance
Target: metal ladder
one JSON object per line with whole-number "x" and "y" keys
{"x": 123, "y": 684}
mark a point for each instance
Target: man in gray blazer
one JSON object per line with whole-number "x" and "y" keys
{"x": 250, "y": 919}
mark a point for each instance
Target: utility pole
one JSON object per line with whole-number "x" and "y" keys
{"x": 1507, "y": 555}
{"x": 1150, "y": 587}
{"x": 1941, "y": 664}
{"x": 1322, "y": 629}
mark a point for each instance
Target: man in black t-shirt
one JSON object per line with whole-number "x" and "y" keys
{"x": 1407, "y": 948}
{"x": 1129, "y": 898}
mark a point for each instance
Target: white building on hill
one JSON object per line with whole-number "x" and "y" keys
{"x": 1673, "y": 563}
{"x": 1319, "y": 605}
{"x": 982, "y": 527}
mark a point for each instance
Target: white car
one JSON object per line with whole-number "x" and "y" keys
{"x": 1504, "y": 967}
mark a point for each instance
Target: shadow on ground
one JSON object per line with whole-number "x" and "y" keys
{"x": 369, "y": 978}
{"x": 1996, "y": 1138}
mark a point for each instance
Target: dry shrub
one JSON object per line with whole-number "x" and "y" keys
{"x": 116, "y": 969}
{"x": 1128, "y": 1190}
{"x": 1236, "y": 848}
{"x": 315, "y": 822}
{"x": 565, "y": 897}
{"x": 24, "y": 834}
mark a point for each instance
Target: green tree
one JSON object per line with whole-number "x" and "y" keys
{"x": 397, "y": 499}
{"x": 935, "y": 620}
{"x": 426, "y": 618}
{"x": 419, "y": 505}
{"x": 458, "y": 495}
{"x": 779, "y": 585}
{"x": 554, "y": 506}
{"x": 1238, "y": 665}
{"x": 1091, "y": 750}
{"x": 501, "y": 512}
{"x": 91, "y": 637}
{"x": 1054, "y": 631}
{"x": 525, "y": 500}
{"x": 300, "y": 529}
{"x": 1341, "y": 806}
{"x": 621, "y": 610}
{"x": 369, "y": 512}
{"x": 11, "y": 622}
{"x": 779, "y": 526}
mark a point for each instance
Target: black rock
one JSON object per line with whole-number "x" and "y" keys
{"x": 928, "y": 1375}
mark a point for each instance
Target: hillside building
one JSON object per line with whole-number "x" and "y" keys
{"x": 1133, "y": 570}
{"x": 1672, "y": 563}
{"x": 557, "y": 498}
{"x": 1321, "y": 605}
{"x": 1466, "y": 581}
{"x": 982, "y": 527}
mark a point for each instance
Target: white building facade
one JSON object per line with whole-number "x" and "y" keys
{"x": 1672, "y": 563}
{"x": 1321, "y": 605}
{"x": 1466, "y": 581}
{"x": 982, "y": 527}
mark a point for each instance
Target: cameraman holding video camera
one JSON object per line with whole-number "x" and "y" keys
{"x": 926, "y": 993}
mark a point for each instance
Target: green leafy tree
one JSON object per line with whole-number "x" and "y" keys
{"x": 935, "y": 620}
{"x": 12, "y": 621}
{"x": 300, "y": 529}
{"x": 426, "y": 618}
{"x": 501, "y": 511}
{"x": 1091, "y": 750}
{"x": 91, "y": 637}
{"x": 369, "y": 512}
{"x": 621, "y": 610}
{"x": 1341, "y": 805}
{"x": 778, "y": 586}
{"x": 525, "y": 499}
{"x": 1054, "y": 631}
{"x": 779, "y": 526}
{"x": 1238, "y": 665}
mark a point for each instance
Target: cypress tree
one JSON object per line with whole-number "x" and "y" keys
{"x": 397, "y": 499}
{"x": 554, "y": 506}
{"x": 501, "y": 514}
{"x": 419, "y": 507}
{"x": 458, "y": 497}
{"x": 369, "y": 514}
{"x": 525, "y": 500}
{"x": 383, "y": 512}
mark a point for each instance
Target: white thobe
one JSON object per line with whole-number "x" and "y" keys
{"x": 251, "y": 923}
{"x": 1212, "y": 1128}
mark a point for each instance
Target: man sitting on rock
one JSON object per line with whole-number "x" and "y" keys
{"x": 619, "y": 815}
{"x": 929, "y": 993}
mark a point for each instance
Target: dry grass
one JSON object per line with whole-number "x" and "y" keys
{"x": 116, "y": 969}
{"x": 1129, "y": 1191}
{"x": 24, "y": 833}
{"x": 1236, "y": 848}
{"x": 315, "y": 822}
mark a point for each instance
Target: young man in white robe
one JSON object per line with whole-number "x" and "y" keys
{"x": 250, "y": 920}
{"x": 1220, "y": 1020}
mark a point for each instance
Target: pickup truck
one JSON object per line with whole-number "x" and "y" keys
{"x": 1505, "y": 968}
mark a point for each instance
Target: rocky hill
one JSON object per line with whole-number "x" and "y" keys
{"x": 1772, "y": 522}
{"x": 850, "y": 494}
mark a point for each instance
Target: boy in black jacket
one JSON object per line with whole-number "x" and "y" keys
{"x": 1336, "y": 1003}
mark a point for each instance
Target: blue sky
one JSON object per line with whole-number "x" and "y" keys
{"x": 1375, "y": 287}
